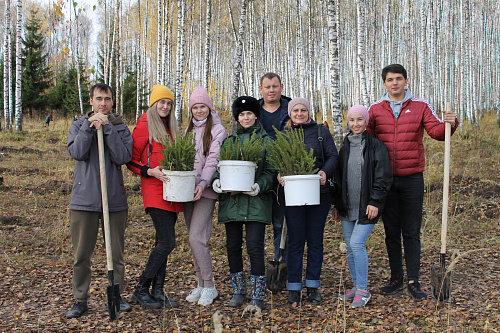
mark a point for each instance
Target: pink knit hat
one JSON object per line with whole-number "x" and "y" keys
{"x": 200, "y": 96}
{"x": 359, "y": 109}
{"x": 299, "y": 100}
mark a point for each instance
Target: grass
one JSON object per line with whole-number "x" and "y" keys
{"x": 37, "y": 247}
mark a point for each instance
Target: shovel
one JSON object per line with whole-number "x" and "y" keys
{"x": 113, "y": 290}
{"x": 277, "y": 275}
{"x": 440, "y": 278}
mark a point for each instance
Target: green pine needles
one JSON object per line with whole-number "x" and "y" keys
{"x": 289, "y": 155}
{"x": 180, "y": 155}
{"x": 250, "y": 150}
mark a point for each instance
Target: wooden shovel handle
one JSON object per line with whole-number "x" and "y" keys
{"x": 104, "y": 195}
{"x": 446, "y": 182}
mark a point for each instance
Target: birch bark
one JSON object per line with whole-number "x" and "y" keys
{"x": 19, "y": 39}
{"x": 207, "y": 44}
{"x": 180, "y": 61}
{"x": 6, "y": 68}
{"x": 333, "y": 46}
{"x": 361, "y": 52}
{"x": 237, "y": 58}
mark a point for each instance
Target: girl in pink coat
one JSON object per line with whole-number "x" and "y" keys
{"x": 209, "y": 133}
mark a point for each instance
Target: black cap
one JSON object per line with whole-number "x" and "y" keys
{"x": 246, "y": 103}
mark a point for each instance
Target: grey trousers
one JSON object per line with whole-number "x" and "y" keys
{"x": 84, "y": 229}
{"x": 198, "y": 215}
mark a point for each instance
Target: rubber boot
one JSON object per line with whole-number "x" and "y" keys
{"x": 258, "y": 293}
{"x": 142, "y": 296}
{"x": 157, "y": 290}
{"x": 239, "y": 289}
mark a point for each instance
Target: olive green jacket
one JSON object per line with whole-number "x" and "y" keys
{"x": 242, "y": 207}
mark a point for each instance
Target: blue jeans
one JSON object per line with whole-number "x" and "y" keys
{"x": 355, "y": 236}
{"x": 305, "y": 223}
{"x": 403, "y": 217}
{"x": 278, "y": 218}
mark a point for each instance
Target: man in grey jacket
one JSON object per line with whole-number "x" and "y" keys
{"x": 86, "y": 204}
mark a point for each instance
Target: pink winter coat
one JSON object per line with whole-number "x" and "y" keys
{"x": 207, "y": 165}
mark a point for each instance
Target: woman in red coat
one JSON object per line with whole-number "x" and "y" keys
{"x": 154, "y": 127}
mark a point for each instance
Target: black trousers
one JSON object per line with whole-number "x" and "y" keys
{"x": 164, "y": 222}
{"x": 255, "y": 232}
{"x": 403, "y": 217}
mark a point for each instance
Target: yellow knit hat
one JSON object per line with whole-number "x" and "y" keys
{"x": 160, "y": 92}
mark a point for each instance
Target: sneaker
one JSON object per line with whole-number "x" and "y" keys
{"x": 207, "y": 296}
{"x": 361, "y": 298}
{"x": 349, "y": 296}
{"x": 415, "y": 292}
{"x": 194, "y": 295}
{"x": 393, "y": 287}
{"x": 77, "y": 310}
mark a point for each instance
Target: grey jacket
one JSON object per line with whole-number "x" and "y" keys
{"x": 82, "y": 146}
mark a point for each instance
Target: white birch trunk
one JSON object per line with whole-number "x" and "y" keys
{"x": 6, "y": 68}
{"x": 165, "y": 43}
{"x": 138, "y": 65}
{"x": 19, "y": 44}
{"x": 77, "y": 60}
{"x": 207, "y": 44}
{"x": 333, "y": 46}
{"x": 106, "y": 43}
{"x": 159, "y": 56}
{"x": 251, "y": 48}
{"x": 238, "y": 56}
{"x": 361, "y": 52}
{"x": 180, "y": 62}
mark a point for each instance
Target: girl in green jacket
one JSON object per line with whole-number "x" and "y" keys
{"x": 251, "y": 209}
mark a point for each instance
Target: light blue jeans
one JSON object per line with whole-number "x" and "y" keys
{"x": 355, "y": 236}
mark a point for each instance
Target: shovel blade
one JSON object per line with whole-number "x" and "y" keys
{"x": 113, "y": 292}
{"x": 440, "y": 283}
{"x": 276, "y": 276}
{"x": 111, "y": 303}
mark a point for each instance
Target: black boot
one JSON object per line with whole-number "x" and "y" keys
{"x": 143, "y": 297}
{"x": 157, "y": 290}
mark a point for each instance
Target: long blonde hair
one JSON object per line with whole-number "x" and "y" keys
{"x": 156, "y": 128}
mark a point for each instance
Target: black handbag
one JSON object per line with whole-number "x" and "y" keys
{"x": 330, "y": 182}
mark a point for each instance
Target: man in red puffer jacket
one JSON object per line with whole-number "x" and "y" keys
{"x": 399, "y": 120}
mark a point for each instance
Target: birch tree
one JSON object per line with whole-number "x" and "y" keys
{"x": 159, "y": 54}
{"x": 7, "y": 68}
{"x": 180, "y": 61}
{"x": 238, "y": 56}
{"x": 207, "y": 44}
{"x": 19, "y": 44}
{"x": 361, "y": 52}
{"x": 333, "y": 46}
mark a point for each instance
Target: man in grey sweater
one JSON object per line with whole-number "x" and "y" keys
{"x": 86, "y": 204}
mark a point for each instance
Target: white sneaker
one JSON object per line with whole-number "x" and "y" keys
{"x": 194, "y": 295}
{"x": 207, "y": 296}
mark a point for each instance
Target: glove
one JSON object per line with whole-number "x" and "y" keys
{"x": 216, "y": 186}
{"x": 255, "y": 190}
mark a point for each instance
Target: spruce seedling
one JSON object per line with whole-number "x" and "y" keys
{"x": 289, "y": 155}
{"x": 180, "y": 155}
{"x": 250, "y": 150}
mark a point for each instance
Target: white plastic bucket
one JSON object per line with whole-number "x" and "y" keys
{"x": 302, "y": 190}
{"x": 181, "y": 186}
{"x": 236, "y": 175}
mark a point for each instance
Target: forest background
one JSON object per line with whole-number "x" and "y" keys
{"x": 330, "y": 52}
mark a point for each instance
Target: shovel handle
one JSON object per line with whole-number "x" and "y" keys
{"x": 446, "y": 182}
{"x": 104, "y": 195}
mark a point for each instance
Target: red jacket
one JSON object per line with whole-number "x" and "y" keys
{"x": 152, "y": 188}
{"x": 403, "y": 136}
